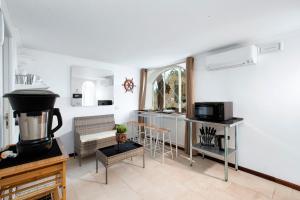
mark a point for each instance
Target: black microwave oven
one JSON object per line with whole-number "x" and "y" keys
{"x": 213, "y": 111}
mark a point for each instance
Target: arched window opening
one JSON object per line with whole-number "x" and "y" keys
{"x": 169, "y": 89}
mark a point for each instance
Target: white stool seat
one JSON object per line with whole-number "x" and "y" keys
{"x": 148, "y": 137}
{"x": 162, "y": 135}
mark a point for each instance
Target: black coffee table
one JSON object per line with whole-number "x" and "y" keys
{"x": 116, "y": 153}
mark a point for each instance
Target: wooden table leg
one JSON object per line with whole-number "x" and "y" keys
{"x": 96, "y": 165}
{"x": 55, "y": 194}
{"x": 144, "y": 160}
{"x": 64, "y": 174}
{"x": 10, "y": 196}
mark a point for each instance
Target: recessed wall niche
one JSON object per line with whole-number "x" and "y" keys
{"x": 91, "y": 86}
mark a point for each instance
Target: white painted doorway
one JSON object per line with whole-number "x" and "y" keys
{"x": 7, "y": 62}
{"x": 6, "y": 107}
{"x": 2, "y": 129}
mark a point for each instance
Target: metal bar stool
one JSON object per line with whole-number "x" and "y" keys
{"x": 137, "y": 135}
{"x": 148, "y": 137}
{"x": 161, "y": 134}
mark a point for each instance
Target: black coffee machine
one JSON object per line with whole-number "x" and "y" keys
{"x": 34, "y": 111}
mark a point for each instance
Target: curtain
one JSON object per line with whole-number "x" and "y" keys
{"x": 142, "y": 95}
{"x": 143, "y": 86}
{"x": 190, "y": 102}
{"x": 160, "y": 95}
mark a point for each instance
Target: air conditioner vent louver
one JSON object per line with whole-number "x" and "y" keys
{"x": 233, "y": 58}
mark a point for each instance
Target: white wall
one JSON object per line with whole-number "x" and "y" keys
{"x": 55, "y": 71}
{"x": 267, "y": 96}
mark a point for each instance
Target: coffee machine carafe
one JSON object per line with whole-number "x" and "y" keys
{"x": 34, "y": 111}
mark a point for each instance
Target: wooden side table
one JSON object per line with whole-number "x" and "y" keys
{"x": 36, "y": 179}
{"x": 114, "y": 154}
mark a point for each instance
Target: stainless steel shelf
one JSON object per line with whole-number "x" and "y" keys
{"x": 213, "y": 151}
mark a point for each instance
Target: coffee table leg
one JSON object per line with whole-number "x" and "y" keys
{"x": 144, "y": 160}
{"x": 96, "y": 165}
{"x": 106, "y": 175}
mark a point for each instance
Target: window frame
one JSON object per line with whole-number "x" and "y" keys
{"x": 178, "y": 68}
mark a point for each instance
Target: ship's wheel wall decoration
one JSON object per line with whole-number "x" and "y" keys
{"x": 128, "y": 85}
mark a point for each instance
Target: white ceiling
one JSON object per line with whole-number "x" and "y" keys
{"x": 147, "y": 32}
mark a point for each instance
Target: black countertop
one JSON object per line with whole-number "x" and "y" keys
{"x": 229, "y": 121}
{"x": 19, "y": 160}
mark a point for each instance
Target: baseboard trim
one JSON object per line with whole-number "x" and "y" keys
{"x": 259, "y": 174}
{"x": 271, "y": 178}
{"x": 244, "y": 169}
{"x": 253, "y": 172}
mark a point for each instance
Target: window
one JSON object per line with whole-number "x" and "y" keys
{"x": 88, "y": 93}
{"x": 169, "y": 89}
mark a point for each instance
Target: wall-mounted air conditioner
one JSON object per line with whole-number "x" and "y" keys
{"x": 233, "y": 58}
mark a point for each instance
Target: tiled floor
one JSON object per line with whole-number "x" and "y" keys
{"x": 173, "y": 180}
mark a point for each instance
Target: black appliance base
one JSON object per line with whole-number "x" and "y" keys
{"x": 34, "y": 147}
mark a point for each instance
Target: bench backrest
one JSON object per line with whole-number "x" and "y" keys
{"x": 93, "y": 124}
